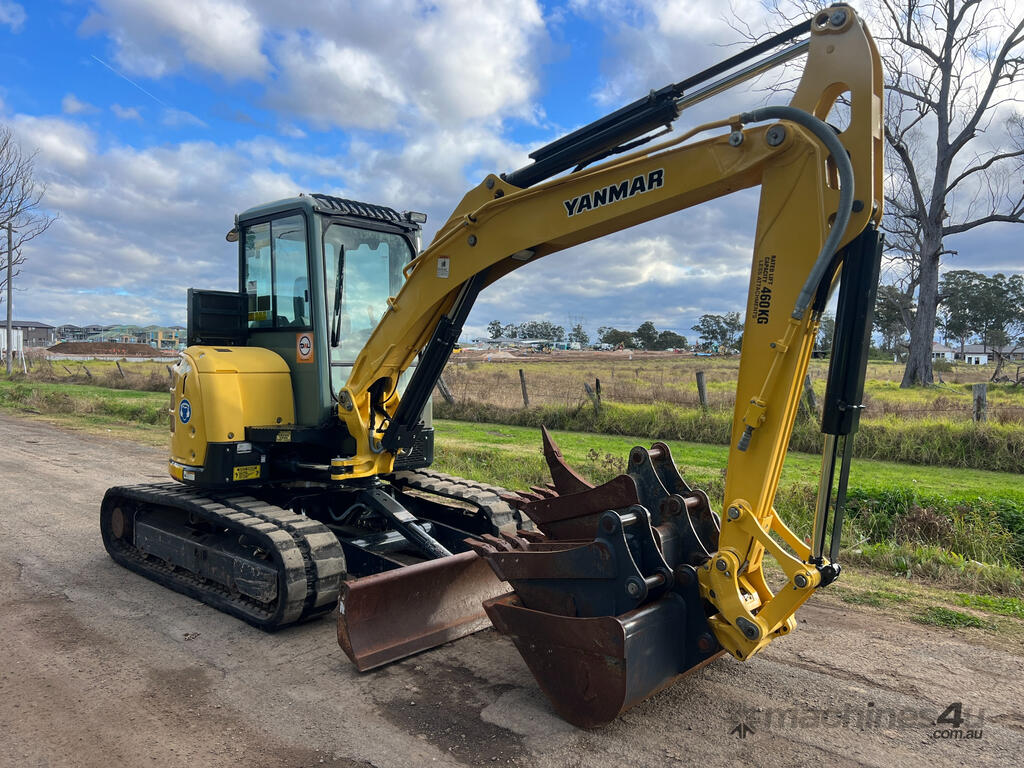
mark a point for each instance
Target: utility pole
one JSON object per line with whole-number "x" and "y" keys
{"x": 10, "y": 283}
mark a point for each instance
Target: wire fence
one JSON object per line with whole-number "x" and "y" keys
{"x": 528, "y": 391}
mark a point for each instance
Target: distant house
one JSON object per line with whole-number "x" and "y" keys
{"x": 159, "y": 337}
{"x": 980, "y": 354}
{"x": 942, "y": 352}
{"x": 973, "y": 354}
{"x": 69, "y": 332}
{"x": 1013, "y": 351}
{"x": 36, "y": 334}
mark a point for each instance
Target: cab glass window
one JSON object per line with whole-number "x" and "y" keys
{"x": 276, "y": 274}
{"x": 372, "y": 265}
{"x": 258, "y": 276}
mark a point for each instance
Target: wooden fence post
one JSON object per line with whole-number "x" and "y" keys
{"x": 809, "y": 398}
{"x": 442, "y": 387}
{"x": 119, "y": 369}
{"x": 68, "y": 370}
{"x": 702, "y": 390}
{"x": 980, "y": 402}
{"x": 170, "y": 373}
{"x": 593, "y": 396}
{"x": 597, "y": 390}
{"x": 86, "y": 371}
{"x": 522, "y": 382}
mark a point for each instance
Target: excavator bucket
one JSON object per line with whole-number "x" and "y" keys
{"x": 391, "y": 615}
{"x": 593, "y": 669}
{"x": 606, "y": 608}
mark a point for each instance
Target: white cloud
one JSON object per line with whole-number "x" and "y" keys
{"x": 63, "y": 146}
{"x": 383, "y": 66}
{"x": 12, "y": 15}
{"x": 291, "y": 131}
{"x": 154, "y": 37}
{"x": 445, "y": 63}
{"x": 125, "y": 113}
{"x": 72, "y": 105}
{"x": 179, "y": 118}
{"x": 137, "y": 227}
{"x": 331, "y": 84}
{"x": 664, "y": 41}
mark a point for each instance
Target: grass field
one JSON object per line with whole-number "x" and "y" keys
{"x": 962, "y": 528}
{"x": 662, "y": 379}
{"x": 672, "y": 380}
{"x": 657, "y": 396}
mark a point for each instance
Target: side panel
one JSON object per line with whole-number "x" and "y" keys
{"x": 307, "y": 370}
{"x": 218, "y": 392}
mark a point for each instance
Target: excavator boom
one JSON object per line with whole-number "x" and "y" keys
{"x": 645, "y": 569}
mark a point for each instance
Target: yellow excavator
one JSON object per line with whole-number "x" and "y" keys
{"x": 301, "y": 433}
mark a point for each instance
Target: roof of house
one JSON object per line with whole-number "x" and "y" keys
{"x": 29, "y": 324}
{"x": 983, "y": 349}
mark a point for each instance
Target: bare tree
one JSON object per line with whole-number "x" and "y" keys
{"x": 954, "y": 136}
{"x": 20, "y": 198}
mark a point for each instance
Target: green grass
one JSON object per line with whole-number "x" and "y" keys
{"x": 937, "y": 616}
{"x": 124, "y": 405}
{"x": 1004, "y": 606}
{"x": 961, "y": 528}
{"x": 907, "y": 559}
{"x": 709, "y": 460}
{"x": 875, "y": 598}
{"x": 928, "y": 442}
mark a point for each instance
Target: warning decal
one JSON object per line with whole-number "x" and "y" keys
{"x": 304, "y": 347}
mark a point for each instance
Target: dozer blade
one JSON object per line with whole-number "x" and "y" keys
{"x": 391, "y": 615}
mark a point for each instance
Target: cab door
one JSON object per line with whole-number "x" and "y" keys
{"x": 277, "y": 291}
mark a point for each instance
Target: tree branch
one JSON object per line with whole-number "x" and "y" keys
{"x": 984, "y": 166}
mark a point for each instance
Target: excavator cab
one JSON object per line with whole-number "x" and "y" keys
{"x": 315, "y": 275}
{"x": 258, "y": 525}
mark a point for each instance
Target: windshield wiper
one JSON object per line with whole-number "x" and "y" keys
{"x": 336, "y": 316}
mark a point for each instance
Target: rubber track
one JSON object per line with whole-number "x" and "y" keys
{"x": 483, "y": 496}
{"x": 307, "y": 555}
{"x": 322, "y": 552}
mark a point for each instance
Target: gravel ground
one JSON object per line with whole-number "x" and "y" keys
{"x": 101, "y": 667}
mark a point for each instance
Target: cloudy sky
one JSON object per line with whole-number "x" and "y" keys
{"x": 156, "y": 121}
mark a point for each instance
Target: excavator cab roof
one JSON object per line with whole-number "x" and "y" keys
{"x": 337, "y": 206}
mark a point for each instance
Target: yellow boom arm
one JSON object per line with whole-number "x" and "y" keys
{"x": 499, "y": 227}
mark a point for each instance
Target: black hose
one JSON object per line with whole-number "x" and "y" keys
{"x": 824, "y": 133}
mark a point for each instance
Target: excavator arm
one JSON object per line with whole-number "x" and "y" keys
{"x": 820, "y": 201}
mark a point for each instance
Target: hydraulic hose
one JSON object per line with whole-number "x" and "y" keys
{"x": 824, "y": 133}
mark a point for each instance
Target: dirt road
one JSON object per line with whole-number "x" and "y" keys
{"x": 102, "y": 668}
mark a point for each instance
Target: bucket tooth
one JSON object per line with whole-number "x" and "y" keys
{"x": 575, "y": 515}
{"x": 566, "y": 479}
{"x": 390, "y": 615}
{"x": 668, "y": 472}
